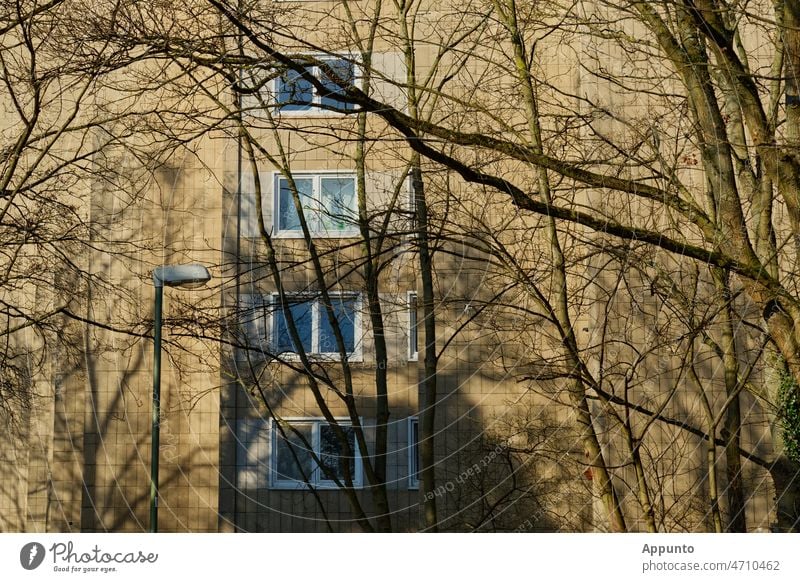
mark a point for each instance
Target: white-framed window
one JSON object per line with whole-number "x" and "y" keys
{"x": 296, "y": 95}
{"x": 413, "y": 327}
{"x": 313, "y": 326}
{"x": 292, "y": 459}
{"x": 413, "y": 452}
{"x": 328, "y": 200}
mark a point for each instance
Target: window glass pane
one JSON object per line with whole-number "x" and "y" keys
{"x": 345, "y": 71}
{"x": 413, "y": 442}
{"x": 287, "y": 467}
{"x": 287, "y": 213}
{"x": 294, "y": 93}
{"x": 345, "y": 310}
{"x": 413, "y": 328}
{"x": 301, "y": 313}
{"x": 338, "y": 198}
{"x": 330, "y": 451}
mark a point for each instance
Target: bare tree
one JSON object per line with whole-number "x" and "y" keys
{"x": 705, "y": 182}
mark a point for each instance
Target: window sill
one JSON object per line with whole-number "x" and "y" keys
{"x": 293, "y": 235}
{"x": 304, "y": 487}
{"x": 355, "y": 358}
{"x": 314, "y": 112}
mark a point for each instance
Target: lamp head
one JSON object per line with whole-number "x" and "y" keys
{"x": 189, "y": 276}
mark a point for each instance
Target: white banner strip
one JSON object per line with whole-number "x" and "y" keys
{"x": 399, "y": 557}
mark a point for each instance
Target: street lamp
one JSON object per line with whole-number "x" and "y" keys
{"x": 187, "y": 277}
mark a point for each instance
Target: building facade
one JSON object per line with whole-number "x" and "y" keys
{"x": 391, "y": 341}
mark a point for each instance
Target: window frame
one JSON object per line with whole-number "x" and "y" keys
{"x": 316, "y": 230}
{"x": 355, "y": 356}
{"x": 315, "y": 109}
{"x": 316, "y": 480}
{"x": 411, "y": 205}
{"x": 413, "y": 453}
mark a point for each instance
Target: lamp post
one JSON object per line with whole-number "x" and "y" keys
{"x": 187, "y": 277}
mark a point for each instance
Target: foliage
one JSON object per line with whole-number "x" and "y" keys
{"x": 788, "y": 402}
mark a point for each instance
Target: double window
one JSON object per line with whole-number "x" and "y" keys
{"x": 266, "y": 324}
{"x": 328, "y": 203}
{"x": 313, "y": 324}
{"x": 310, "y": 451}
{"x": 294, "y": 92}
